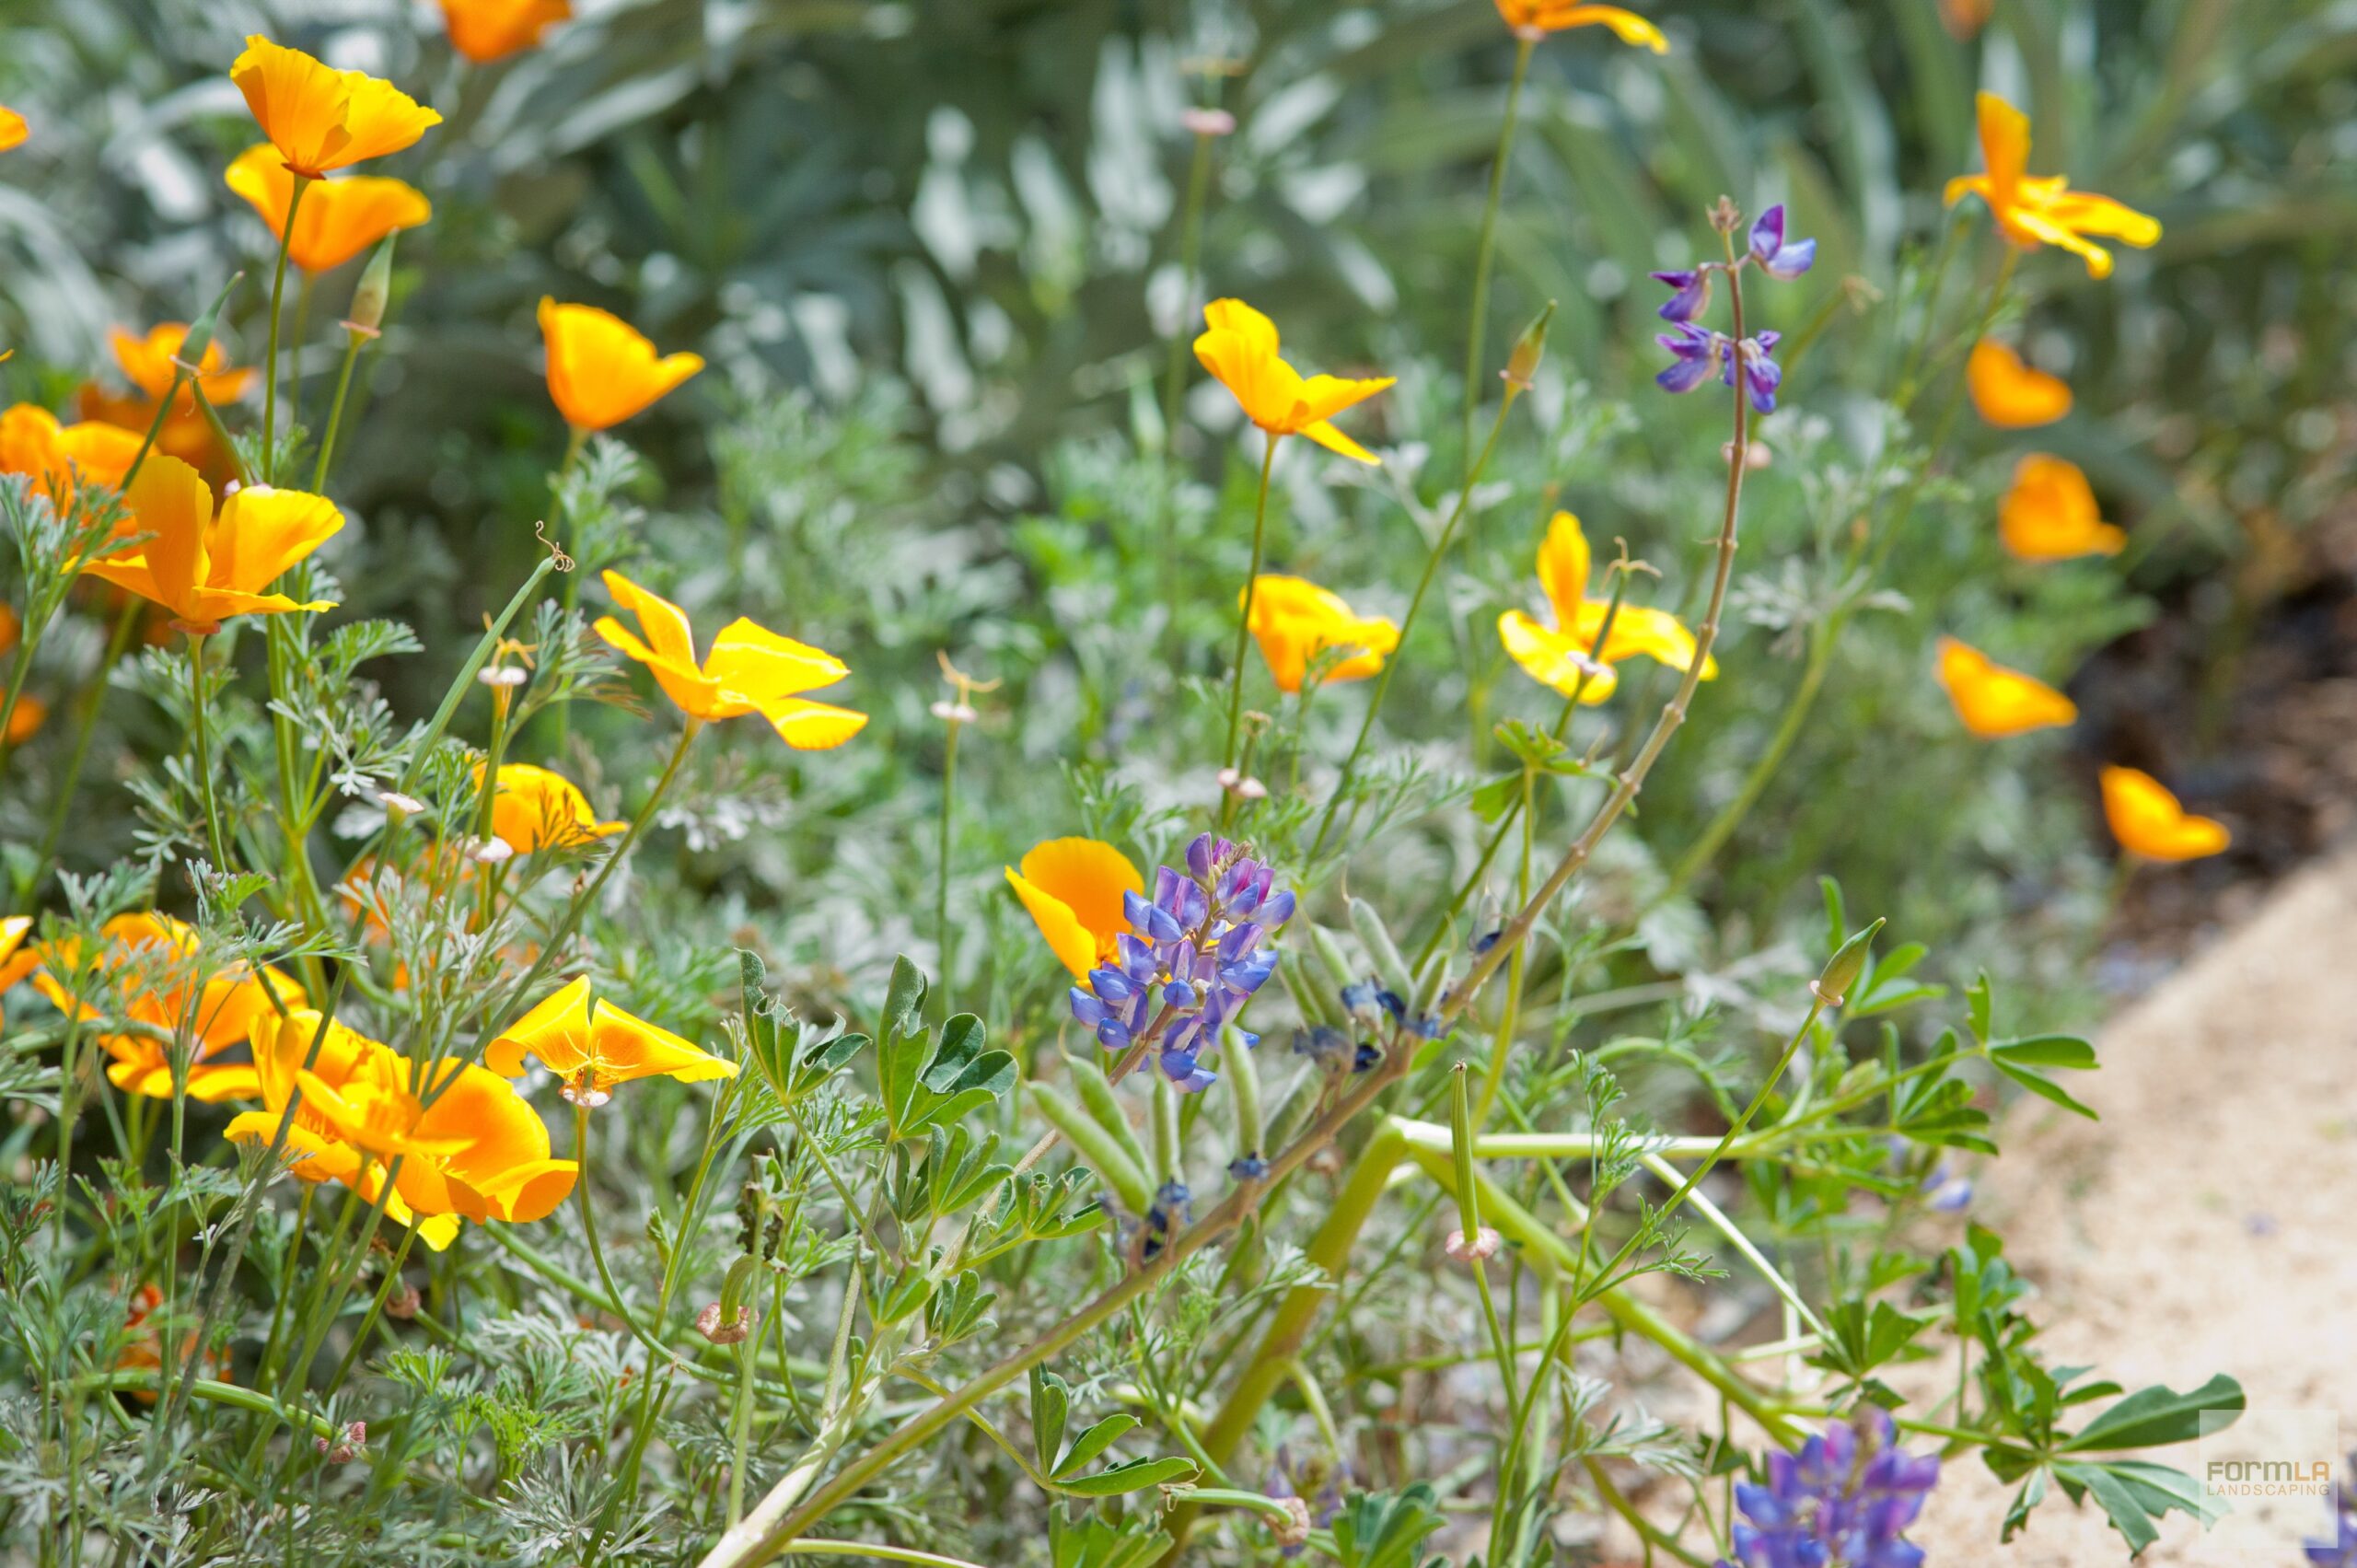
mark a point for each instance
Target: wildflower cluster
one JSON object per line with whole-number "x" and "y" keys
{"x": 1844, "y": 1501}
{"x": 1194, "y": 954}
{"x": 1700, "y": 353}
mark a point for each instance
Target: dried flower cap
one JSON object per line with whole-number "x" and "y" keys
{"x": 1207, "y": 122}
{"x": 750, "y": 669}
{"x": 1239, "y": 348}
{"x": 347, "y": 1445}
{"x": 485, "y": 30}
{"x": 1075, "y": 889}
{"x": 709, "y": 1324}
{"x": 338, "y": 218}
{"x": 321, "y": 118}
{"x": 602, "y": 370}
{"x": 1294, "y": 1530}
{"x": 1294, "y": 621}
{"x": 206, "y": 566}
{"x": 2149, "y": 821}
{"x": 1242, "y": 785}
{"x": 1485, "y": 1244}
{"x": 594, "y": 1045}
{"x": 1995, "y": 702}
{"x": 1560, "y": 656}
{"x": 1540, "y": 18}
{"x": 2050, "y": 513}
{"x": 2010, "y": 394}
{"x": 2043, "y": 210}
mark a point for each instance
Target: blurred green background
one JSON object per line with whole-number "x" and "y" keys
{"x": 932, "y": 252}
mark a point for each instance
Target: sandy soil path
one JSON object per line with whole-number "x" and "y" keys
{"x": 2208, "y": 1222}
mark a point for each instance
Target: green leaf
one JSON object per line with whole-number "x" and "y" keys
{"x": 1092, "y": 1442}
{"x": 2043, "y": 1086}
{"x": 2156, "y": 1415}
{"x": 2047, "y": 1051}
{"x": 1135, "y": 1476}
{"x": 2122, "y": 1506}
{"x": 2032, "y": 1494}
{"x": 1051, "y": 1399}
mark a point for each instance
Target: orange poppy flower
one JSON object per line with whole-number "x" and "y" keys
{"x": 337, "y": 219}
{"x": 1555, "y": 15}
{"x": 601, "y": 369}
{"x": 593, "y": 1045}
{"x": 204, "y": 567}
{"x": 1559, "y": 656}
{"x": 147, "y": 363}
{"x": 2149, "y": 822}
{"x": 2050, "y": 513}
{"x": 2010, "y": 394}
{"x": 152, "y": 972}
{"x": 1964, "y": 18}
{"x": 477, "y": 1152}
{"x": 23, "y": 724}
{"x": 33, "y": 443}
{"x": 12, "y": 130}
{"x": 534, "y": 808}
{"x": 15, "y": 965}
{"x": 1239, "y": 348}
{"x": 321, "y": 118}
{"x": 1294, "y": 621}
{"x": 2032, "y": 209}
{"x": 750, "y": 671}
{"x": 485, "y": 30}
{"x": 1995, "y": 702}
{"x": 1074, "y": 888}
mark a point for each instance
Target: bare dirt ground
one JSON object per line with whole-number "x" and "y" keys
{"x": 2205, "y": 1223}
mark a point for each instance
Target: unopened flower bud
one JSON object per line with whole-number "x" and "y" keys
{"x": 708, "y": 1325}
{"x": 1528, "y": 349}
{"x": 502, "y": 675}
{"x": 403, "y": 1304}
{"x": 376, "y": 287}
{"x": 1842, "y": 970}
{"x": 1483, "y": 1245}
{"x": 394, "y": 801}
{"x": 1726, "y": 218}
{"x": 1238, "y": 784}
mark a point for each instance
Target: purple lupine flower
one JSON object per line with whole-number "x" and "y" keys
{"x": 1692, "y": 297}
{"x": 2340, "y": 1550}
{"x": 1247, "y": 1167}
{"x": 1844, "y": 1501}
{"x": 1695, "y": 355}
{"x": 1194, "y": 955}
{"x": 1779, "y": 259}
{"x": 1950, "y": 1193}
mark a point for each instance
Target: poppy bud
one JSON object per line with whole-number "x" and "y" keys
{"x": 198, "y": 339}
{"x": 376, "y": 287}
{"x": 1528, "y": 349}
{"x": 1842, "y": 970}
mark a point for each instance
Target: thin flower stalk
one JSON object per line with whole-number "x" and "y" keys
{"x": 1485, "y": 246}
{"x": 1244, "y": 616}
{"x": 270, "y": 357}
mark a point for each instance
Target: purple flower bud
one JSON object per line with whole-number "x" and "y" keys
{"x": 1088, "y": 1010}
{"x": 1278, "y": 910}
{"x": 1238, "y": 940}
{"x": 1110, "y": 983}
{"x": 1138, "y": 959}
{"x": 1113, "y": 1034}
{"x": 1198, "y": 857}
{"x": 1157, "y": 923}
{"x": 1247, "y": 1167}
{"x": 1178, "y": 994}
{"x": 1697, "y": 354}
{"x": 1251, "y": 975}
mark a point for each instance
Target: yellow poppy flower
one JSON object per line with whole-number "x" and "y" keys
{"x": 337, "y": 219}
{"x": 1073, "y": 888}
{"x": 750, "y": 671}
{"x": 1559, "y": 656}
{"x": 2033, "y": 210}
{"x": 15, "y": 965}
{"x": 1294, "y": 621}
{"x": 601, "y": 369}
{"x": 477, "y": 1151}
{"x": 204, "y": 567}
{"x": 485, "y": 30}
{"x": 35, "y": 444}
{"x": 1995, "y": 702}
{"x": 534, "y": 809}
{"x": 2010, "y": 394}
{"x": 1240, "y": 349}
{"x": 148, "y": 969}
{"x": 149, "y": 362}
{"x": 1555, "y": 15}
{"x": 12, "y": 130}
{"x": 2050, "y": 513}
{"x": 593, "y": 1045}
{"x": 2149, "y": 822}
{"x": 321, "y": 118}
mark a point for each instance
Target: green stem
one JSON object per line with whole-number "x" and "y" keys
{"x": 1407, "y": 621}
{"x": 270, "y": 360}
{"x": 200, "y": 742}
{"x": 126, "y": 621}
{"x": 1174, "y": 371}
{"x": 1484, "y": 249}
{"x": 1244, "y": 617}
{"x": 356, "y": 339}
{"x": 941, "y": 860}
{"x": 569, "y": 595}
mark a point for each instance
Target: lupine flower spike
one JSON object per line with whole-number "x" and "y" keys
{"x": 2010, "y": 394}
{"x": 1697, "y": 353}
{"x": 1239, "y": 347}
{"x": 1995, "y": 702}
{"x": 2050, "y": 513}
{"x": 2033, "y": 210}
{"x": 2150, "y": 822}
{"x": 1559, "y": 656}
{"x": 1193, "y": 956}
{"x": 1844, "y": 1501}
